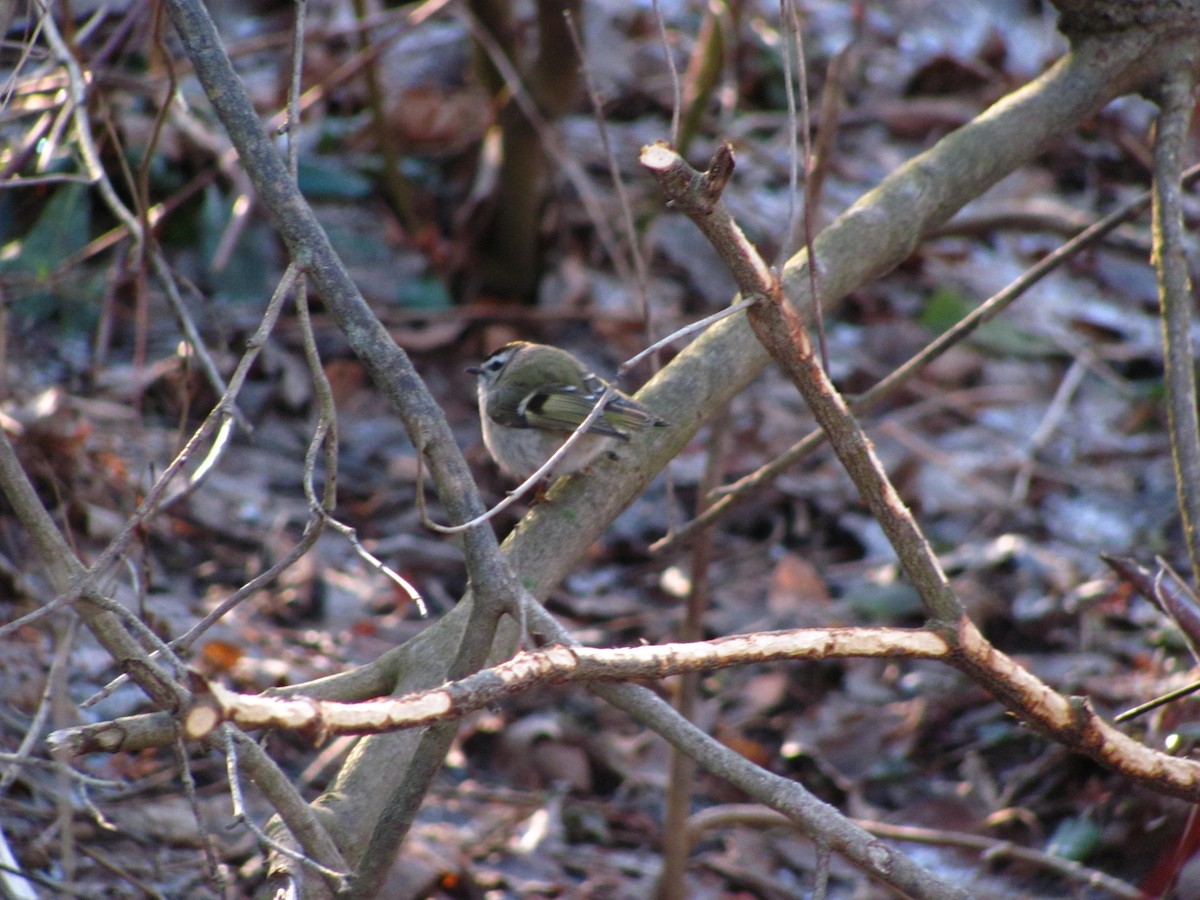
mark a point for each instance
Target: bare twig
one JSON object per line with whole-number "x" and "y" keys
{"x": 83, "y": 131}
{"x": 183, "y": 643}
{"x": 320, "y": 852}
{"x": 679, "y": 334}
{"x": 163, "y": 270}
{"x": 326, "y": 435}
{"x": 791, "y": 52}
{"x": 995, "y": 849}
{"x": 669, "y": 58}
{"x": 157, "y": 494}
{"x": 734, "y": 814}
{"x": 102, "y": 615}
{"x": 398, "y": 188}
{"x": 642, "y": 279}
{"x": 671, "y": 885}
{"x": 393, "y": 372}
{"x": 1049, "y": 423}
{"x": 54, "y": 682}
{"x": 552, "y": 145}
{"x": 704, "y": 72}
{"x": 1175, "y": 298}
{"x": 189, "y": 789}
{"x": 784, "y": 335}
{"x": 751, "y": 484}
{"x": 811, "y": 202}
{"x": 778, "y": 326}
{"x": 553, "y": 665}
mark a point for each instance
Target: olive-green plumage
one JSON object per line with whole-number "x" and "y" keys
{"x": 531, "y": 396}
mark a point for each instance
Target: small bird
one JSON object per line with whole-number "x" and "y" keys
{"x": 532, "y": 396}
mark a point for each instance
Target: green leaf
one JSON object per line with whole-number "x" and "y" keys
{"x": 943, "y": 310}
{"x": 329, "y": 178}
{"x": 1075, "y": 838}
{"x": 885, "y": 602}
{"x": 946, "y": 308}
{"x": 246, "y": 275}
{"x": 425, "y": 294}
{"x": 62, "y": 229}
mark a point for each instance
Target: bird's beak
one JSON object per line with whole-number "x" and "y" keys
{"x": 474, "y": 370}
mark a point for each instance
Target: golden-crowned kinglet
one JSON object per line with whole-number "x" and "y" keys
{"x": 531, "y": 396}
